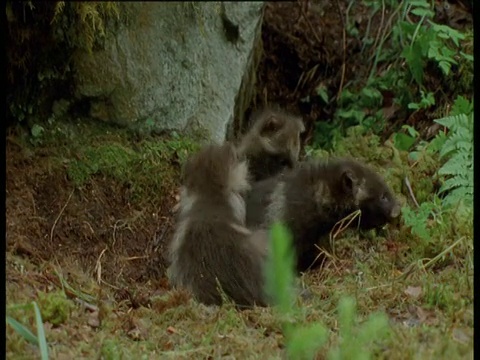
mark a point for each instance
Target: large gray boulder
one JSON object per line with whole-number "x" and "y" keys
{"x": 171, "y": 65}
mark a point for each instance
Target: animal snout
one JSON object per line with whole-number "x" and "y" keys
{"x": 395, "y": 212}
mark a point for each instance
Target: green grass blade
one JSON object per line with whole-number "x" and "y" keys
{"x": 280, "y": 268}
{"x": 22, "y": 330}
{"x": 79, "y": 294}
{"x": 41, "y": 333}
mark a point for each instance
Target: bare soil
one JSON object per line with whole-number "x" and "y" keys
{"x": 95, "y": 227}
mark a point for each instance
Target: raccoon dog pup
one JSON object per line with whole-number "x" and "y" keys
{"x": 272, "y": 143}
{"x": 312, "y": 198}
{"x": 211, "y": 246}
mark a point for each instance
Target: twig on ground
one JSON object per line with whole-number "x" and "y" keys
{"x": 98, "y": 266}
{"x": 59, "y": 215}
{"x": 410, "y": 191}
{"x": 380, "y": 28}
{"x": 304, "y": 14}
{"x": 320, "y": 253}
{"x": 339, "y": 226}
{"x": 344, "y": 36}
{"x": 420, "y": 265}
{"x": 135, "y": 258}
{"x": 87, "y": 305}
{"x": 112, "y": 286}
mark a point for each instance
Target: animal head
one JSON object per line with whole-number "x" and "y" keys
{"x": 345, "y": 185}
{"x": 216, "y": 169}
{"x": 369, "y": 192}
{"x": 275, "y": 132}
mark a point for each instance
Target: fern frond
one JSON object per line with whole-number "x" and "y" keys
{"x": 454, "y": 122}
{"x": 460, "y": 136}
{"x": 461, "y": 106}
{"x": 454, "y": 182}
{"x": 457, "y": 142}
{"x": 458, "y": 147}
{"x": 460, "y": 194}
{"x": 446, "y": 121}
{"x": 446, "y": 32}
{"x": 457, "y": 165}
{"x": 59, "y": 8}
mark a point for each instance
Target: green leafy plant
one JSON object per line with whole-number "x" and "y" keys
{"x": 56, "y": 307}
{"x": 280, "y": 267}
{"x": 401, "y": 54}
{"x": 23, "y": 331}
{"x": 36, "y": 132}
{"x": 327, "y": 135}
{"x": 322, "y": 93}
{"x": 302, "y": 342}
{"x": 426, "y": 101}
{"x": 439, "y": 295}
{"x": 353, "y": 109}
{"x": 418, "y": 220}
{"x": 356, "y": 343}
{"x": 427, "y": 41}
{"x": 458, "y": 149}
{"x": 455, "y": 147}
{"x": 461, "y": 106}
{"x": 404, "y": 141}
{"x": 434, "y": 217}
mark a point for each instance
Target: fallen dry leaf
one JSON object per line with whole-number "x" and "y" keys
{"x": 390, "y": 111}
{"x": 168, "y": 346}
{"x": 411, "y": 322}
{"x": 171, "y": 330}
{"x": 93, "y": 319}
{"x": 461, "y": 336}
{"x": 137, "y": 330}
{"x": 425, "y": 316}
{"x": 137, "y": 334}
{"x": 413, "y": 291}
{"x": 422, "y": 314}
{"x": 432, "y": 131}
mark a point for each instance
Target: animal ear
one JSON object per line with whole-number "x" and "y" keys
{"x": 232, "y": 153}
{"x": 301, "y": 125}
{"x": 271, "y": 125}
{"x": 349, "y": 181}
{"x": 240, "y": 155}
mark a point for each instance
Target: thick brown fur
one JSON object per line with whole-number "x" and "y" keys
{"x": 312, "y": 198}
{"x": 211, "y": 247}
{"x": 272, "y": 143}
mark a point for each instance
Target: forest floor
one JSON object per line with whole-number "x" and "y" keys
{"x": 85, "y": 237}
{"x": 89, "y": 211}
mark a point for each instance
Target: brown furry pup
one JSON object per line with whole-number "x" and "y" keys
{"x": 312, "y": 198}
{"x": 211, "y": 246}
{"x": 272, "y": 143}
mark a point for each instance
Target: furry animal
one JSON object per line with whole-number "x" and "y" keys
{"x": 312, "y": 198}
{"x": 211, "y": 247}
{"x": 272, "y": 143}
